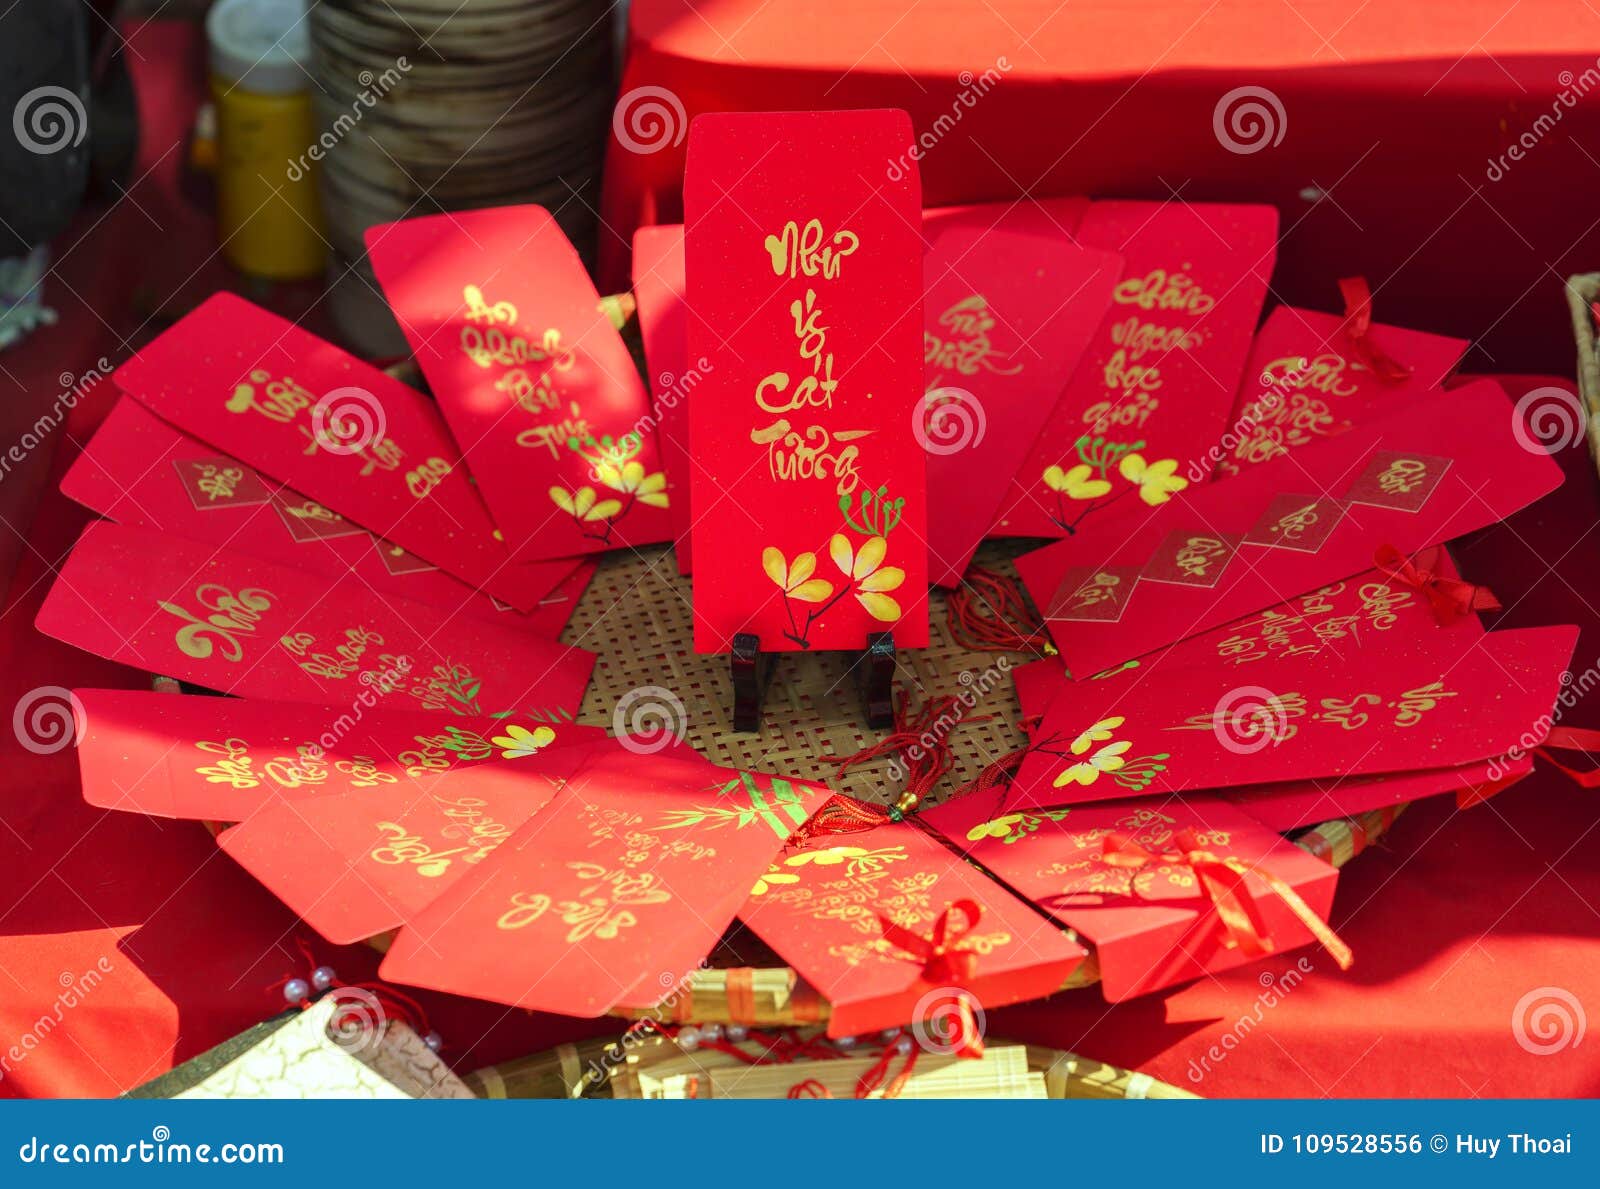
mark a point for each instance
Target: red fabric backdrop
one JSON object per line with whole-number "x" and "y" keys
{"x": 1393, "y": 112}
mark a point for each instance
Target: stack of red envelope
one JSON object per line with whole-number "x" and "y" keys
{"x": 1256, "y": 622}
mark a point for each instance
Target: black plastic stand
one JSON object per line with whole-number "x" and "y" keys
{"x": 750, "y": 669}
{"x": 875, "y": 681}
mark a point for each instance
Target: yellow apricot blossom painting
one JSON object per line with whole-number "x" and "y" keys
{"x": 1088, "y": 484}
{"x": 630, "y": 479}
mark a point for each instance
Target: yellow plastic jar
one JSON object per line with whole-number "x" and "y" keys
{"x": 268, "y": 217}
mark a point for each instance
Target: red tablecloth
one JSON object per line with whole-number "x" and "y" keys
{"x": 1392, "y": 111}
{"x": 180, "y": 947}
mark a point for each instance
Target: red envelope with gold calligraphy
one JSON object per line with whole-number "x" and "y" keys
{"x": 237, "y": 624}
{"x": 137, "y": 469}
{"x": 1307, "y": 379}
{"x": 536, "y": 383}
{"x": 355, "y": 865}
{"x": 821, "y": 907}
{"x": 804, "y": 294}
{"x": 1288, "y": 805}
{"x": 624, "y": 882}
{"x": 223, "y": 759}
{"x": 1156, "y": 386}
{"x": 1368, "y": 612}
{"x": 1415, "y": 705}
{"x": 298, "y": 409}
{"x": 1364, "y": 611}
{"x": 658, "y": 285}
{"x": 1006, "y": 319}
{"x": 1443, "y": 465}
{"x": 1147, "y": 882}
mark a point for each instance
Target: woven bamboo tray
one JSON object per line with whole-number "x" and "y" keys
{"x": 1583, "y": 291}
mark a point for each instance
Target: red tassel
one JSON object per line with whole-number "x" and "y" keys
{"x": 843, "y": 815}
{"x": 998, "y": 774}
{"x": 923, "y": 742}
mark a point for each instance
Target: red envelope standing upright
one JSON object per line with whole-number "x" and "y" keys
{"x": 1308, "y": 377}
{"x": 537, "y": 385}
{"x": 1006, "y": 318}
{"x": 804, "y": 294}
{"x": 658, "y": 291}
{"x": 1155, "y": 389}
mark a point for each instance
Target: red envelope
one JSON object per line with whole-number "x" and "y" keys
{"x": 355, "y": 865}
{"x": 1306, "y": 380}
{"x": 536, "y": 383}
{"x": 658, "y": 286}
{"x": 1152, "y": 926}
{"x": 1294, "y": 804}
{"x": 1416, "y": 704}
{"x": 1155, "y": 388}
{"x": 300, "y": 410}
{"x": 223, "y": 759}
{"x": 626, "y": 880}
{"x": 137, "y": 469}
{"x": 1443, "y": 465}
{"x": 1366, "y": 612}
{"x": 810, "y": 515}
{"x": 236, "y": 624}
{"x": 1006, "y": 318}
{"x": 821, "y": 907}
{"x": 551, "y": 616}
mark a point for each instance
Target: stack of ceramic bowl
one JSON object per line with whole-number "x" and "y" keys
{"x": 432, "y": 105}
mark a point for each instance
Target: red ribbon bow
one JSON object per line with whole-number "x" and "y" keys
{"x": 1224, "y": 884}
{"x": 944, "y": 959}
{"x": 1450, "y": 598}
{"x": 947, "y": 963}
{"x": 1357, "y": 332}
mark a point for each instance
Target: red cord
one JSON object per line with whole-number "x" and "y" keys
{"x": 988, "y": 612}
